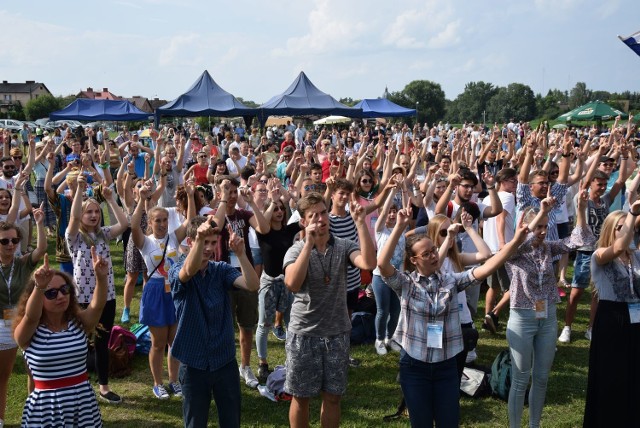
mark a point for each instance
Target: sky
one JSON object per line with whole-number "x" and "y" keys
{"x": 348, "y": 48}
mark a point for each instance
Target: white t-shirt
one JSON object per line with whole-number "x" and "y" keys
{"x": 152, "y": 254}
{"x": 490, "y": 233}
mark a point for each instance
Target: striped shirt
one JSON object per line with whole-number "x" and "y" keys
{"x": 425, "y": 300}
{"x": 526, "y": 199}
{"x": 345, "y": 227}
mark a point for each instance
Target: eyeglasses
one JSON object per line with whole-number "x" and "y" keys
{"x": 433, "y": 252}
{"x": 52, "y": 293}
{"x": 467, "y": 186}
{"x": 366, "y": 181}
{"x": 5, "y": 241}
{"x": 443, "y": 233}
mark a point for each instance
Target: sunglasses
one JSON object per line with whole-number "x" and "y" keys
{"x": 366, "y": 181}
{"x": 443, "y": 233}
{"x": 619, "y": 227}
{"x": 52, "y": 293}
{"x": 264, "y": 181}
{"x": 277, "y": 208}
{"x": 16, "y": 157}
{"x": 5, "y": 241}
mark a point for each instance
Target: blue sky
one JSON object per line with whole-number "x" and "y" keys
{"x": 254, "y": 49}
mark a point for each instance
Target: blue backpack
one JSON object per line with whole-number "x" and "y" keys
{"x": 363, "y": 329}
{"x": 143, "y": 338}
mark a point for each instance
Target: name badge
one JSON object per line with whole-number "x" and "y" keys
{"x": 434, "y": 334}
{"x": 634, "y": 312}
{"x": 233, "y": 259}
{"x": 7, "y": 316}
{"x": 541, "y": 309}
{"x": 167, "y": 285}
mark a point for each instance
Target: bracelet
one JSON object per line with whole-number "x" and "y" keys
{"x": 104, "y": 165}
{"x": 623, "y": 158}
{"x": 633, "y": 214}
{"x": 163, "y": 175}
{"x": 566, "y": 156}
{"x": 223, "y": 202}
{"x": 43, "y": 289}
{"x": 491, "y": 188}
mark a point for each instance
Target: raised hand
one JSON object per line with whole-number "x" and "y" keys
{"x": 100, "y": 265}
{"x": 44, "y": 274}
{"x": 236, "y": 243}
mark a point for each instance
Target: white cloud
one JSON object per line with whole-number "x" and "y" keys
{"x": 178, "y": 50}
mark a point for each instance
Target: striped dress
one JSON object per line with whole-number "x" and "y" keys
{"x": 58, "y": 355}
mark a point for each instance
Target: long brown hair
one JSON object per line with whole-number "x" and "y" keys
{"x": 433, "y": 231}
{"x": 70, "y": 314}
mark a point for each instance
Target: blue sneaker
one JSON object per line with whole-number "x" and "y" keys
{"x": 175, "y": 389}
{"x": 124, "y": 319}
{"x": 160, "y": 392}
{"x": 280, "y": 333}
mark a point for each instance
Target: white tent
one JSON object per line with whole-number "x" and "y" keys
{"x": 331, "y": 120}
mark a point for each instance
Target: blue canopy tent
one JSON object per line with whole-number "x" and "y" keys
{"x": 88, "y": 109}
{"x": 303, "y": 98}
{"x": 382, "y": 107}
{"x": 206, "y": 98}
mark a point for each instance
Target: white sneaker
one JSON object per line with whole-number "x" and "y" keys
{"x": 471, "y": 356}
{"x": 249, "y": 378}
{"x": 587, "y": 334}
{"x": 392, "y": 344}
{"x": 565, "y": 336}
{"x": 380, "y": 348}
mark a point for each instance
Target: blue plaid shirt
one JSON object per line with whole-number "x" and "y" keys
{"x": 205, "y": 337}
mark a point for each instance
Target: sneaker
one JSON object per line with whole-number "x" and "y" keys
{"x": 111, "y": 397}
{"x": 565, "y": 336}
{"x": 381, "y": 349}
{"x": 249, "y": 378}
{"x": 263, "y": 373}
{"x": 124, "y": 319}
{"x": 490, "y": 322}
{"x": 587, "y": 334}
{"x": 160, "y": 392}
{"x": 175, "y": 388}
{"x": 354, "y": 362}
{"x": 392, "y": 344}
{"x": 279, "y": 332}
{"x": 471, "y": 356}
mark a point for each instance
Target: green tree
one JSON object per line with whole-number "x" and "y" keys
{"x": 551, "y": 105}
{"x": 248, "y": 103}
{"x": 41, "y": 107}
{"x": 428, "y": 97}
{"x": 516, "y": 101}
{"x": 472, "y": 103}
{"x": 348, "y": 101}
{"x": 579, "y": 95}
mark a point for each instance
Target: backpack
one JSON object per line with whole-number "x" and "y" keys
{"x": 475, "y": 383}
{"x": 363, "y": 329}
{"x": 143, "y": 338}
{"x": 122, "y": 345}
{"x": 501, "y": 375}
{"x": 275, "y": 383}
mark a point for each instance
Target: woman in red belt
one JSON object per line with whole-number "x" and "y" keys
{"x": 52, "y": 330}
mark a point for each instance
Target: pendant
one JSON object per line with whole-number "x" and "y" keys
{"x": 327, "y": 280}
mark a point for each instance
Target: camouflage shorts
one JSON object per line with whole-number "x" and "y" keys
{"x": 316, "y": 364}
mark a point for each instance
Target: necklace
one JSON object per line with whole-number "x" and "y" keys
{"x": 326, "y": 272}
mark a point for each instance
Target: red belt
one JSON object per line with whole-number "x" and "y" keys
{"x": 61, "y": 383}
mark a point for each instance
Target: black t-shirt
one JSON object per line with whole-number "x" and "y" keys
{"x": 274, "y": 246}
{"x": 239, "y": 222}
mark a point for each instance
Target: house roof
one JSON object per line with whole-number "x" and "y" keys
{"x": 155, "y": 103}
{"x": 141, "y": 102}
{"x": 26, "y": 87}
{"x": 105, "y": 94}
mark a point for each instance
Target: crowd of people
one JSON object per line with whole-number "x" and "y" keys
{"x": 289, "y": 230}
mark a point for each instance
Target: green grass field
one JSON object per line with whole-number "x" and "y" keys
{"x": 372, "y": 391}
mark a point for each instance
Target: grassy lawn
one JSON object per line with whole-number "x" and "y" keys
{"x": 372, "y": 391}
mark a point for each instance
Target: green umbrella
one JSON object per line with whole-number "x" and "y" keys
{"x": 595, "y": 110}
{"x": 560, "y": 126}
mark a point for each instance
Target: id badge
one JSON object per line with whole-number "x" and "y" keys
{"x": 167, "y": 285}
{"x": 541, "y": 309}
{"x": 7, "y": 316}
{"x": 233, "y": 259}
{"x": 634, "y": 312}
{"x": 435, "y": 334}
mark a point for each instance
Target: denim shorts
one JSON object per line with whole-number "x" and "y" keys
{"x": 316, "y": 364}
{"x": 582, "y": 270}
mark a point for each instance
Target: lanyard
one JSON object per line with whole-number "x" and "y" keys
{"x": 630, "y": 269}
{"x": 8, "y": 281}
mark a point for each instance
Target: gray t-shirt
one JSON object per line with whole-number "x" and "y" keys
{"x": 595, "y": 215}
{"x": 320, "y": 309}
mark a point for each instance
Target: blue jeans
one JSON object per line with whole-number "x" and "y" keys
{"x": 387, "y": 308}
{"x": 273, "y": 297}
{"x": 197, "y": 388}
{"x": 431, "y": 391}
{"x": 532, "y": 343}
